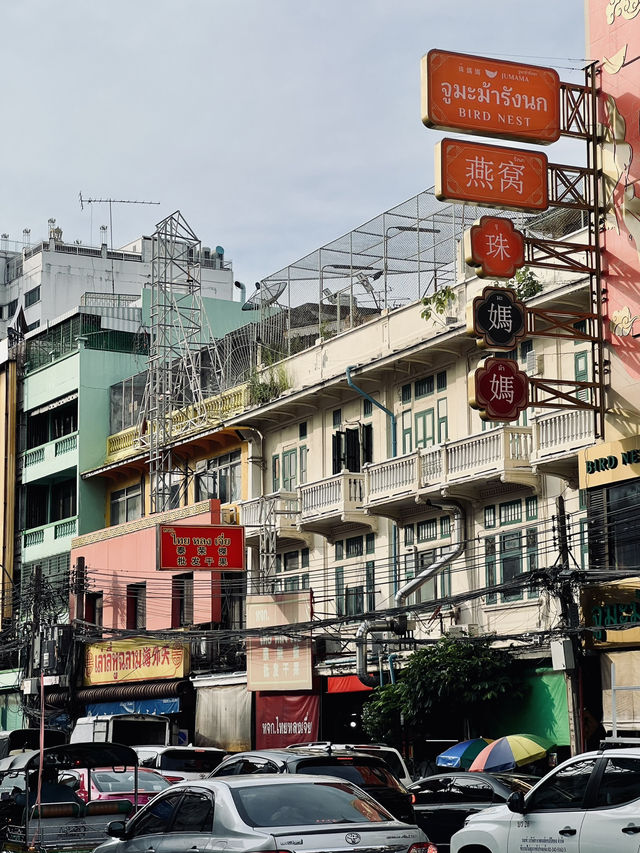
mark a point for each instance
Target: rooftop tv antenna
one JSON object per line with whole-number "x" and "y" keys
{"x": 111, "y": 201}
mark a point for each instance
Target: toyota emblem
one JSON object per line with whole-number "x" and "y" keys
{"x": 353, "y": 838}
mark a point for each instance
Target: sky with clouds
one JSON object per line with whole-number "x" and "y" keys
{"x": 274, "y": 126}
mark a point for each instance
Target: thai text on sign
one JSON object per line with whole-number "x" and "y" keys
{"x": 133, "y": 660}
{"x": 473, "y": 94}
{"x": 202, "y": 546}
{"x": 279, "y": 661}
{"x": 491, "y": 175}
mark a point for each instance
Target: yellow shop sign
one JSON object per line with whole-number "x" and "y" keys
{"x": 121, "y": 661}
{"x": 608, "y": 463}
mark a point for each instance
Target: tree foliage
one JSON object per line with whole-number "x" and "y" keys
{"x": 440, "y": 687}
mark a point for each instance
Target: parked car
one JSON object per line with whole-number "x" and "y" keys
{"x": 247, "y": 814}
{"x": 369, "y": 772}
{"x": 177, "y": 763}
{"x": 391, "y": 755}
{"x": 111, "y": 783}
{"x": 587, "y": 804}
{"x": 443, "y": 802}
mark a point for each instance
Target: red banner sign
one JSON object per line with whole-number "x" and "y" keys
{"x": 491, "y": 176}
{"x": 495, "y": 247}
{"x": 473, "y": 94}
{"x": 201, "y": 546}
{"x": 285, "y": 718}
{"x": 499, "y": 389}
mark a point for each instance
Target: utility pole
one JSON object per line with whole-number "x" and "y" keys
{"x": 563, "y": 577}
{"x": 79, "y": 590}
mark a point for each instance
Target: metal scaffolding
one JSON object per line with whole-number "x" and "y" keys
{"x": 183, "y": 366}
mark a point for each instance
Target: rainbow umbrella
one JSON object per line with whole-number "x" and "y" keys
{"x": 462, "y": 754}
{"x": 511, "y": 751}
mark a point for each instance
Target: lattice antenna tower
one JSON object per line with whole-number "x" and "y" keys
{"x": 173, "y": 402}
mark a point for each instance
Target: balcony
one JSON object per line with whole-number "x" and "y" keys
{"x": 461, "y": 467}
{"x": 54, "y": 457}
{"x": 557, "y": 438}
{"x": 279, "y": 512}
{"x": 129, "y": 442}
{"x": 335, "y": 505}
{"x": 38, "y": 543}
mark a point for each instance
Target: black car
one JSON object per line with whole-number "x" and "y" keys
{"x": 443, "y": 802}
{"x": 369, "y": 772}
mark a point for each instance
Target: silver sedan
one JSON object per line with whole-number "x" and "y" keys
{"x": 246, "y": 814}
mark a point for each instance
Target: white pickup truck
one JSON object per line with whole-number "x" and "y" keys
{"x": 588, "y": 804}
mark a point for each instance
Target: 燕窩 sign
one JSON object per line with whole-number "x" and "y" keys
{"x": 491, "y": 175}
{"x": 201, "y": 546}
{"x": 490, "y": 97}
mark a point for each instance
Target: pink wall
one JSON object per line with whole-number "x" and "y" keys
{"x": 130, "y": 557}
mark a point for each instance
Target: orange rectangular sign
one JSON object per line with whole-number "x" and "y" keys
{"x": 509, "y": 178}
{"x": 472, "y": 94}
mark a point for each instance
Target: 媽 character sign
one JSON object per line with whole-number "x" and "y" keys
{"x": 499, "y": 390}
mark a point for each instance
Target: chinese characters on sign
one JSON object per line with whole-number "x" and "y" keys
{"x": 494, "y": 247}
{"x": 490, "y": 175}
{"x": 279, "y": 661}
{"x": 499, "y": 389}
{"x": 202, "y": 546}
{"x": 498, "y": 318}
{"x": 134, "y": 660}
{"x": 472, "y": 94}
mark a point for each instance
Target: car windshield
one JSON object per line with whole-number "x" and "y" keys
{"x": 121, "y": 781}
{"x": 190, "y": 761}
{"x": 356, "y": 770}
{"x": 305, "y": 804}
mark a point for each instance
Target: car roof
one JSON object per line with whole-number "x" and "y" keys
{"x": 256, "y": 779}
{"x": 287, "y": 752}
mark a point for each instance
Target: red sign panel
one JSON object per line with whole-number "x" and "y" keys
{"x": 495, "y": 247}
{"x": 201, "y": 546}
{"x": 490, "y": 175}
{"x": 473, "y": 94}
{"x": 285, "y": 719}
{"x": 499, "y": 389}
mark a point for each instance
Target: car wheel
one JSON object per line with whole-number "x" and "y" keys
{"x": 474, "y": 848}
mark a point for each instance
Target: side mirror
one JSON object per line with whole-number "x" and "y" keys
{"x": 116, "y": 829}
{"x": 515, "y": 802}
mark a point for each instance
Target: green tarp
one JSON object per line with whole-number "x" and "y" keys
{"x": 542, "y": 710}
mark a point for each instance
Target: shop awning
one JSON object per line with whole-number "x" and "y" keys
{"x": 345, "y": 684}
{"x": 124, "y": 692}
{"x": 170, "y": 705}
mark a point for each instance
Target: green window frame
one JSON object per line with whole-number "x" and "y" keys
{"x": 302, "y": 429}
{"x": 370, "y": 584}
{"x": 531, "y": 549}
{"x": 290, "y": 470}
{"x": 584, "y": 543}
{"x": 407, "y": 432}
{"x": 339, "y": 585}
{"x": 303, "y": 464}
{"x": 424, "y": 428}
{"x": 531, "y": 505}
{"x": 304, "y": 558}
{"x": 490, "y": 567}
{"x": 337, "y": 418}
{"x": 490, "y": 516}
{"x": 581, "y": 373}
{"x": 510, "y": 512}
{"x": 423, "y": 387}
{"x": 338, "y": 549}
{"x": 370, "y": 543}
{"x": 441, "y": 380}
{"x": 427, "y": 530}
{"x": 275, "y": 473}
{"x": 409, "y": 534}
{"x": 443, "y": 421}
{"x": 445, "y": 526}
{"x": 353, "y": 547}
{"x": 405, "y": 394}
{"x": 511, "y": 562}
{"x": 367, "y": 408}
{"x": 354, "y": 600}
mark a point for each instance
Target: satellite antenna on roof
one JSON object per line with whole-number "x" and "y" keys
{"x": 266, "y": 293}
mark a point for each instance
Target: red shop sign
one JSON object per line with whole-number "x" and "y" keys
{"x": 499, "y": 389}
{"x": 200, "y": 546}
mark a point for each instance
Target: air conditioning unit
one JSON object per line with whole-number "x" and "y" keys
{"x": 229, "y": 515}
{"x": 474, "y": 630}
{"x": 456, "y": 632}
{"x": 534, "y": 363}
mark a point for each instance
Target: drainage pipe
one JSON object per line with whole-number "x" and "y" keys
{"x": 458, "y": 543}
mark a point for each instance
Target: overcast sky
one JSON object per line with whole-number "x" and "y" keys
{"x": 274, "y": 126}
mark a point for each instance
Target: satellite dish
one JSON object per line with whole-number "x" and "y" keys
{"x": 266, "y": 293}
